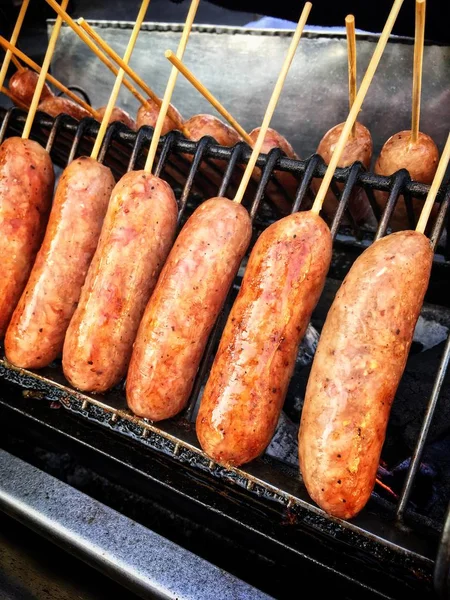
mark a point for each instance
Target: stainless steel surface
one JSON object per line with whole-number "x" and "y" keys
{"x": 240, "y": 67}
{"x": 136, "y": 557}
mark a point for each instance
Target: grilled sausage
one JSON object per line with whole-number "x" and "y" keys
{"x": 136, "y": 237}
{"x": 22, "y": 85}
{"x": 283, "y": 200}
{"x": 202, "y": 125}
{"x": 36, "y": 333}
{"x": 118, "y": 114}
{"x": 184, "y": 306}
{"x": 199, "y": 126}
{"x": 419, "y": 159}
{"x": 247, "y": 385}
{"x": 359, "y": 361}
{"x": 26, "y": 188}
{"x": 358, "y": 148}
{"x": 58, "y": 105}
{"x": 148, "y": 114}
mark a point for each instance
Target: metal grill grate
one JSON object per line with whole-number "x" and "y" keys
{"x": 179, "y": 162}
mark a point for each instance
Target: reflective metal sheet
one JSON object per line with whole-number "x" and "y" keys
{"x": 240, "y": 67}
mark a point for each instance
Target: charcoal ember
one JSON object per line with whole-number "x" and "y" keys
{"x": 410, "y": 404}
{"x": 284, "y": 444}
{"x": 297, "y": 385}
{"x": 423, "y": 493}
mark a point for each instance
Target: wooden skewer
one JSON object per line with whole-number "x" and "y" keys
{"x": 351, "y": 52}
{"x": 170, "y": 87}
{"x": 42, "y": 74}
{"x": 30, "y": 63}
{"x": 119, "y": 80}
{"x": 207, "y": 94}
{"x": 356, "y": 106}
{"x": 14, "y": 36}
{"x": 116, "y": 58}
{"x": 273, "y": 103}
{"x": 98, "y": 53}
{"x": 13, "y": 98}
{"x": 417, "y": 69}
{"x": 19, "y": 66}
{"x": 438, "y": 178}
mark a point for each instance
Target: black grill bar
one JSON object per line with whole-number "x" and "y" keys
{"x": 14, "y": 118}
{"x": 345, "y": 197}
{"x": 399, "y": 181}
{"x": 202, "y": 147}
{"x": 167, "y": 146}
{"x": 143, "y": 137}
{"x": 272, "y": 159}
{"x": 438, "y": 227}
{"x": 235, "y": 157}
{"x": 409, "y": 209}
{"x": 312, "y": 165}
{"x": 420, "y": 445}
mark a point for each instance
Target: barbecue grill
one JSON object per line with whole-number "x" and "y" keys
{"x": 259, "y": 514}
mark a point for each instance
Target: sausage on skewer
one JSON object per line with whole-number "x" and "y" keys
{"x": 36, "y": 333}
{"x": 136, "y": 237}
{"x": 411, "y": 150}
{"x": 357, "y": 367}
{"x": 359, "y": 362}
{"x": 357, "y": 148}
{"x": 26, "y": 185}
{"x": 22, "y": 85}
{"x": 285, "y": 274}
{"x": 420, "y": 159}
{"x": 245, "y": 391}
{"x": 191, "y": 290}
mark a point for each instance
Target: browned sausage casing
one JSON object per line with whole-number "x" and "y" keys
{"x": 118, "y": 114}
{"x": 358, "y": 364}
{"x": 136, "y": 237}
{"x": 247, "y": 386}
{"x": 202, "y": 125}
{"x": 358, "y": 148}
{"x": 22, "y": 85}
{"x": 283, "y": 201}
{"x": 36, "y": 333}
{"x": 57, "y": 105}
{"x": 420, "y": 159}
{"x": 184, "y": 306}
{"x": 26, "y": 188}
{"x": 148, "y": 114}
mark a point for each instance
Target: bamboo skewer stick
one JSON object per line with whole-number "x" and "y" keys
{"x": 119, "y": 80}
{"x": 207, "y": 94}
{"x": 13, "y": 98}
{"x": 19, "y": 66}
{"x": 117, "y": 59}
{"x": 351, "y": 52}
{"x": 417, "y": 69}
{"x": 320, "y": 197}
{"x": 170, "y": 87}
{"x": 98, "y": 53}
{"x": 434, "y": 189}
{"x": 30, "y": 63}
{"x": 42, "y": 75}
{"x": 14, "y": 36}
{"x": 273, "y": 103}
